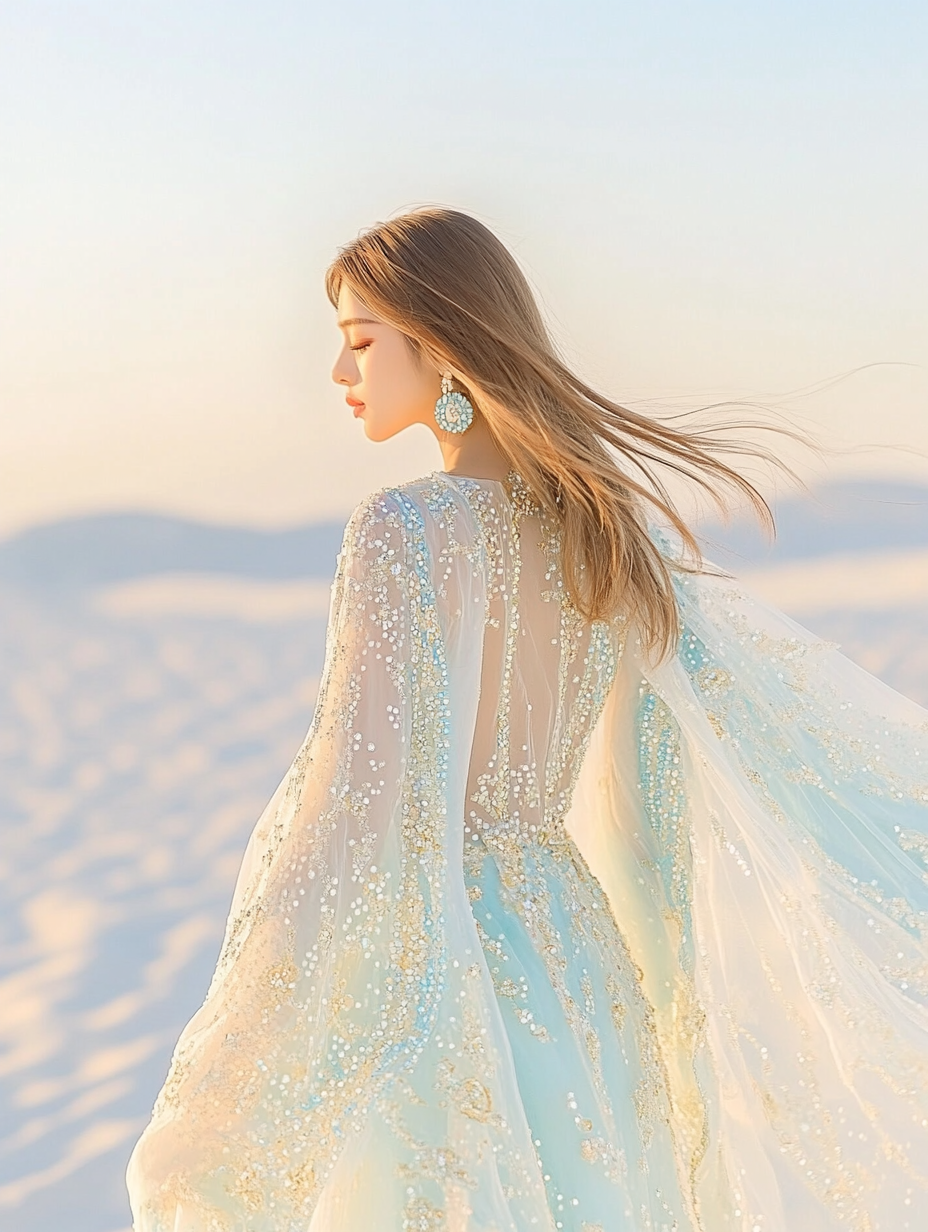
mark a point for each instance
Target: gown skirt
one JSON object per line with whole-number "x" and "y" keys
{"x": 582, "y": 1036}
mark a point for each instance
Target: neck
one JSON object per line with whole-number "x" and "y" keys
{"x": 473, "y": 452}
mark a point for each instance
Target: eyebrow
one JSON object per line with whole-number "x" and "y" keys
{"x": 357, "y": 321}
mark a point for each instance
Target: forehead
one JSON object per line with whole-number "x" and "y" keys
{"x": 351, "y": 305}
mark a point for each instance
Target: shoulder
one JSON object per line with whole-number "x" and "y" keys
{"x": 418, "y": 542}
{"x": 420, "y": 525}
{"x": 374, "y": 534}
{"x": 375, "y": 508}
{"x": 410, "y": 506}
{"x": 384, "y": 524}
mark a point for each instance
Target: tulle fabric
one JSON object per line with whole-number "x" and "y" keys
{"x": 535, "y": 934}
{"x": 757, "y": 809}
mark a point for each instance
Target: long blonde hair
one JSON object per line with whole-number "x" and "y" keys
{"x": 456, "y": 292}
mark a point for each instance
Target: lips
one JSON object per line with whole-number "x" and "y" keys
{"x": 358, "y": 407}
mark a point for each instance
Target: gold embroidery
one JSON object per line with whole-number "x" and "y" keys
{"x": 419, "y": 1215}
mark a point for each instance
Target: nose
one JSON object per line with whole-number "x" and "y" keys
{"x": 342, "y": 370}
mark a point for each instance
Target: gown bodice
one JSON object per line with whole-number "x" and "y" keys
{"x": 545, "y": 674}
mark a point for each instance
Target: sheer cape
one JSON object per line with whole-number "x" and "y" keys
{"x": 755, "y": 810}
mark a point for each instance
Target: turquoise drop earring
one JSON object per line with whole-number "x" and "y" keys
{"x": 453, "y": 411}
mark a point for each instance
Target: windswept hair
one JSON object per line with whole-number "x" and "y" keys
{"x": 452, "y": 287}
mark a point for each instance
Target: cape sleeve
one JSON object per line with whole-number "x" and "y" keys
{"x": 345, "y": 1064}
{"x": 759, "y": 805}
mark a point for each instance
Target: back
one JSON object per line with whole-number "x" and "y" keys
{"x": 545, "y": 675}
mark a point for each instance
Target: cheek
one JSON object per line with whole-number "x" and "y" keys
{"x": 395, "y": 388}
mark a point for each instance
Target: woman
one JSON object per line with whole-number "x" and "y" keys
{"x": 595, "y": 898}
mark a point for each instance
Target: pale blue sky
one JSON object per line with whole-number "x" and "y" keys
{"x": 711, "y": 198}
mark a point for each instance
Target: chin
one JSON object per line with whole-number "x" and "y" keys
{"x": 380, "y": 432}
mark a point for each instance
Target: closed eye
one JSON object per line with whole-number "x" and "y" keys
{"x": 361, "y": 346}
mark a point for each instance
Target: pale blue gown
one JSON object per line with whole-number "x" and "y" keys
{"x": 538, "y": 934}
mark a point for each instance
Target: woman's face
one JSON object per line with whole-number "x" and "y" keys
{"x": 385, "y": 383}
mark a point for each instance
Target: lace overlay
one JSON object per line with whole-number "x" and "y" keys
{"x": 536, "y": 935}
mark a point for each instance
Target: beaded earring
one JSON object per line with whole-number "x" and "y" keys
{"x": 453, "y": 411}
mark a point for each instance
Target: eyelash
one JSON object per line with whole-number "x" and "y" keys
{"x": 362, "y": 347}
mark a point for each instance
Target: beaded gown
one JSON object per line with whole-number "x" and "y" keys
{"x": 535, "y": 934}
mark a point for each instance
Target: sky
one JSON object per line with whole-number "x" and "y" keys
{"x": 713, "y": 200}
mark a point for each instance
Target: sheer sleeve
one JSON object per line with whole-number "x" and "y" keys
{"x": 349, "y": 1024}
